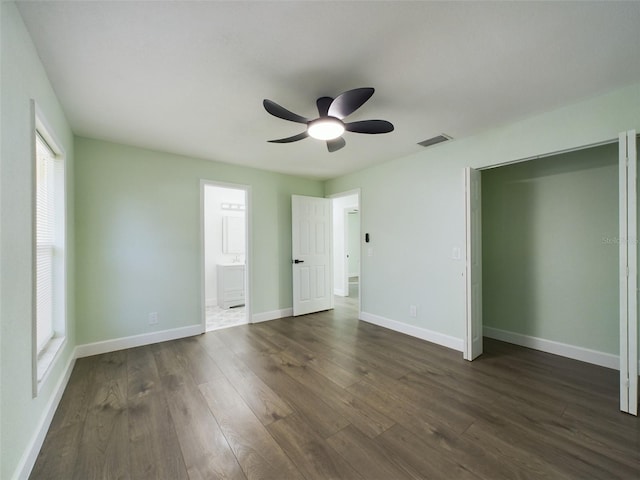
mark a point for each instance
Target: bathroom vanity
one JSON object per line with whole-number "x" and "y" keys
{"x": 230, "y": 285}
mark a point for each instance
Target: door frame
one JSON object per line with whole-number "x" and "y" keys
{"x": 248, "y": 257}
{"x": 345, "y": 240}
{"x": 633, "y": 328}
{"x": 473, "y": 263}
{"x": 348, "y": 193}
{"x": 628, "y": 211}
{"x": 347, "y": 274}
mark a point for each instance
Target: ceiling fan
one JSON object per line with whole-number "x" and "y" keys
{"x": 329, "y": 125}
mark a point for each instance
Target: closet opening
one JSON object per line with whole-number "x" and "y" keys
{"x": 550, "y": 254}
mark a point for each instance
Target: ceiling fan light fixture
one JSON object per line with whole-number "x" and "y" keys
{"x": 327, "y": 128}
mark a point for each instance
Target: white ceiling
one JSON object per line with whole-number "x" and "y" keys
{"x": 189, "y": 77}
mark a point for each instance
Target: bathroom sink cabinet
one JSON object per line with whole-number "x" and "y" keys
{"x": 230, "y": 285}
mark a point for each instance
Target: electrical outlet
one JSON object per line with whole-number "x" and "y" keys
{"x": 413, "y": 311}
{"x": 153, "y": 318}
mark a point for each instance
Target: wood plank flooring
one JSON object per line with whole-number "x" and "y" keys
{"x": 325, "y": 396}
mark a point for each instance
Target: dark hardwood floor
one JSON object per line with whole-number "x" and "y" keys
{"x": 325, "y": 396}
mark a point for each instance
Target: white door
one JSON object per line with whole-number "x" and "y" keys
{"x": 473, "y": 273}
{"x": 628, "y": 273}
{"x": 311, "y": 224}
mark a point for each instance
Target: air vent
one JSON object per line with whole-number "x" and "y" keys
{"x": 434, "y": 140}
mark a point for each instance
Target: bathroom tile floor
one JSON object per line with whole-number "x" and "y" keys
{"x": 222, "y": 318}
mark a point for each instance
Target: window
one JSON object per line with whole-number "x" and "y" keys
{"x": 49, "y": 252}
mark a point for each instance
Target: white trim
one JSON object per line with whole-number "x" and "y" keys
{"x": 549, "y": 154}
{"x": 632, "y": 334}
{"x": 628, "y": 190}
{"x": 340, "y": 292}
{"x": 46, "y": 131}
{"x": 418, "y": 332}
{"x": 28, "y": 460}
{"x": 595, "y": 357}
{"x": 345, "y": 242}
{"x": 48, "y": 357}
{"x": 137, "y": 340}
{"x": 41, "y": 127}
{"x": 623, "y": 268}
{"x": 273, "y": 315}
{"x": 347, "y": 193}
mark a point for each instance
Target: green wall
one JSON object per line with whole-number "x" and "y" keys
{"x": 413, "y": 207}
{"x": 138, "y": 237}
{"x": 549, "y": 255}
{"x": 23, "y": 78}
{"x": 137, "y": 228}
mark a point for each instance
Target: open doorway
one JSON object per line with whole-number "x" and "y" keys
{"x": 346, "y": 249}
{"x": 225, "y": 259}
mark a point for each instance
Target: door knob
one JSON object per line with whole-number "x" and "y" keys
{"x": 298, "y": 261}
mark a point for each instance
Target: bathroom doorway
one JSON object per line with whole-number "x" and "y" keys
{"x": 225, "y": 259}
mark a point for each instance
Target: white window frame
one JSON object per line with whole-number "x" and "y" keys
{"x": 43, "y": 358}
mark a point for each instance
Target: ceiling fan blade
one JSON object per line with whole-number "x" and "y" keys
{"x": 277, "y": 111}
{"x": 348, "y": 102}
{"x": 369, "y": 126}
{"x": 335, "y": 144}
{"x": 295, "y": 138}
{"x": 323, "y": 104}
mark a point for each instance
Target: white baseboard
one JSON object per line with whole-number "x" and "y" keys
{"x": 137, "y": 340}
{"x": 549, "y": 346}
{"x": 28, "y": 460}
{"x": 273, "y": 315}
{"x": 419, "y": 332}
{"x": 340, "y": 292}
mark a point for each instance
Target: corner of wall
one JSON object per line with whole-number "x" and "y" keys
{"x": 25, "y": 420}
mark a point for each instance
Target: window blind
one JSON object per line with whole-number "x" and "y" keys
{"x": 45, "y": 240}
